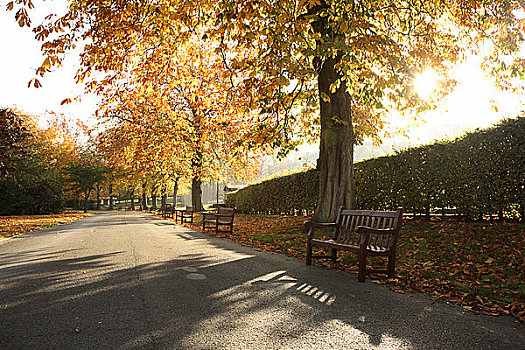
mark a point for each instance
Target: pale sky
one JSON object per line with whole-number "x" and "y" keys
{"x": 468, "y": 108}
{"x": 19, "y": 59}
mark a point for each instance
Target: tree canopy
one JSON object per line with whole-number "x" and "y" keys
{"x": 184, "y": 120}
{"x": 30, "y": 170}
{"x": 84, "y": 173}
{"x": 309, "y": 69}
{"x": 13, "y": 132}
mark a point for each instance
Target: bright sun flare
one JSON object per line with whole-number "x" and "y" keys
{"x": 425, "y": 84}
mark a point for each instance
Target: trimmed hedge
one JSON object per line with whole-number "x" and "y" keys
{"x": 479, "y": 174}
{"x": 284, "y": 195}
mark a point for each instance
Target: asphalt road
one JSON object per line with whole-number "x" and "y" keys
{"x": 133, "y": 281}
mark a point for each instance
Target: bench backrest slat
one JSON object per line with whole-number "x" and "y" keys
{"x": 349, "y": 220}
{"x": 225, "y": 211}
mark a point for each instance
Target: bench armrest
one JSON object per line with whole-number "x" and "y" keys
{"x": 310, "y": 226}
{"x": 310, "y": 223}
{"x": 208, "y": 213}
{"x": 366, "y": 232}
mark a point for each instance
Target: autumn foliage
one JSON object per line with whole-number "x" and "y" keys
{"x": 308, "y": 70}
{"x": 180, "y": 117}
{"x": 29, "y": 183}
{"x": 34, "y": 160}
{"x": 16, "y": 225}
{"x": 14, "y": 130}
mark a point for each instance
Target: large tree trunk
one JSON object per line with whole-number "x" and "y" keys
{"x": 111, "y": 197}
{"x": 163, "y": 200}
{"x": 154, "y": 197}
{"x": 144, "y": 199}
{"x": 336, "y": 149}
{"x": 133, "y": 199}
{"x": 164, "y": 196}
{"x": 175, "y": 191}
{"x": 196, "y": 165}
{"x": 196, "y": 194}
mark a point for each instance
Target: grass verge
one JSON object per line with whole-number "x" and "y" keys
{"x": 16, "y": 225}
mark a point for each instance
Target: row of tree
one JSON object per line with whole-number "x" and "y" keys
{"x": 476, "y": 176}
{"x": 177, "y": 126}
{"x": 45, "y": 168}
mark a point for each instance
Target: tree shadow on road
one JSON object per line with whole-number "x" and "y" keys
{"x": 228, "y": 297}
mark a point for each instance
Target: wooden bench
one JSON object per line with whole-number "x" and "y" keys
{"x": 167, "y": 211}
{"x": 184, "y": 214}
{"x": 222, "y": 217}
{"x": 365, "y": 232}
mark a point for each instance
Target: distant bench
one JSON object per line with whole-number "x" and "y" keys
{"x": 222, "y": 217}
{"x": 184, "y": 214}
{"x": 167, "y": 211}
{"x": 364, "y": 232}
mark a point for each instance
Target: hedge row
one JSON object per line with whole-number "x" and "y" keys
{"x": 474, "y": 176}
{"x": 477, "y": 175}
{"x": 284, "y": 195}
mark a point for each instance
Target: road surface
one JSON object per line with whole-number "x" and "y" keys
{"x": 125, "y": 280}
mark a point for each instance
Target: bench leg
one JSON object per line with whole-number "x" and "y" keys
{"x": 334, "y": 255}
{"x": 392, "y": 265}
{"x": 308, "y": 253}
{"x": 362, "y": 266}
